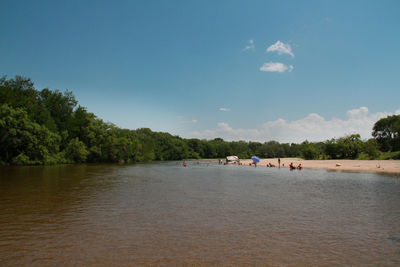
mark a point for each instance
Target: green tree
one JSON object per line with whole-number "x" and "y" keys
{"x": 196, "y": 148}
{"x": 76, "y": 151}
{"x": 240, "y": 149}
{"x": 60, "y": 105}
{"x": 309, "y": 150}
{"x": 350, "y": 146}
{"x": 387, "y": 132}
{"x": 255, "y": 148}
{"x": 45, "y": 127}
{"x": 370, "y": 149}
{"x": 271, "y": 149}
{"x": 23, "y": 141}
{"x": 331, "y": 149}
{"x": 20, "y": 93}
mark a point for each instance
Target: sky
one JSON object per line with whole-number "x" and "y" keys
{"x": 239, "y": 70}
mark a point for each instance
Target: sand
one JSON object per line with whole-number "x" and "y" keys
{"x": 382, "y": 166}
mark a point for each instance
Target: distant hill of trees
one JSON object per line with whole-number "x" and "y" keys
{"x": 49, "y": 127}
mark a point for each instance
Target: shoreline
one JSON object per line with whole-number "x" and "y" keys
{"x": 380, "y": 166}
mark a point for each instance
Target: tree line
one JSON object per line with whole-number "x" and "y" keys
{"x": 49, "y": 127}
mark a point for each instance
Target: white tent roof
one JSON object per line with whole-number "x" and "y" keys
{"x": 232, "y": 158}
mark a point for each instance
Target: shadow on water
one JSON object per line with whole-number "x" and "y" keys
{"x": 43, "y": 193}
{"x": 53, "y": 186}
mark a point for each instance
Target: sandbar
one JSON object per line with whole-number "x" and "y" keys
{"x": 381, "y": 166}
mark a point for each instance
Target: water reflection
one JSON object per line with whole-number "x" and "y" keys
{"x": 169, "y": 215}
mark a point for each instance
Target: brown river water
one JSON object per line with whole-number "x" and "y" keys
{"x": 205, "y": 214}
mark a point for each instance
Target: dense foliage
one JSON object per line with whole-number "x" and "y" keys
{"x": 49, "y": 127}
{"x": 387, "y": 133}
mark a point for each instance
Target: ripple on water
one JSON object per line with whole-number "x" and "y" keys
{"x": 164, "y": 214}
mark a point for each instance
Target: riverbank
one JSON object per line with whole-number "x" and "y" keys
{"x": 382, "y": 166}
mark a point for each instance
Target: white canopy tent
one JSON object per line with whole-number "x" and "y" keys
{"x": 232, "y": 159}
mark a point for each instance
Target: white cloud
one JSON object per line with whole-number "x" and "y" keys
{"x": 313, "y": 127}
{"x": 397, "y": 112}
{"x": 250, "y": 45}
{"x": 276, "y": 67}
{"x": 281, "y": 48}
{"x": 224, "y": 109}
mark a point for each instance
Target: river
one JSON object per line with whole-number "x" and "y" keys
{"x": 208, "y": 214}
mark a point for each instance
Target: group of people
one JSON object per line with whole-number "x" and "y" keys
{"x": 292, "y": 167}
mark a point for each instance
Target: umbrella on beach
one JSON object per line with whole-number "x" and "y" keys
{"x": 255, "y": 159}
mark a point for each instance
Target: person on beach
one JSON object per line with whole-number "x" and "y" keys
{"x": 279, "y": 162}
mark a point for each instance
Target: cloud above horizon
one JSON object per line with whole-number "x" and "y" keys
{"x": 276, "y": 67}
{"x": 224, "y": 109}
{"x": 313, "y": 127}
{"x": 184, "y": 121}
{"x": 280, "y": 48}
{"x": 250, "y": 45}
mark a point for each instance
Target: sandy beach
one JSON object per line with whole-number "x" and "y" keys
{"x": 382, "y": 166}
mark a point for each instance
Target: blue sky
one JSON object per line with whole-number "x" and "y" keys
{"x": 249, "y": 70}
